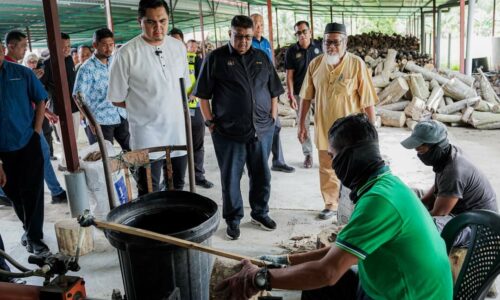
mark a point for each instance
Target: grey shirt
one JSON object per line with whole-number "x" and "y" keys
{"x": 460, "y": 178}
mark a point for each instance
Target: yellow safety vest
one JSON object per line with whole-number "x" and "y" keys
{"x": 191, "y": 57}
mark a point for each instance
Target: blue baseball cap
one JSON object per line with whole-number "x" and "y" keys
{"x": 426, "y": 132}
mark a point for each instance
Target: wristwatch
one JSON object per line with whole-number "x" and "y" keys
{"x": 261, "y": 280}
{"x": 209, "y": 123}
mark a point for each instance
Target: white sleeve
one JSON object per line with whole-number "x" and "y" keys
{"x": 118, "y": 79}
{"x": 187, "y": 78}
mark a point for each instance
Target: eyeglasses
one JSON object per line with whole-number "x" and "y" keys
{"x": 241, "y": 37}
{"x": 299, "y": 32}
{"x": 335, "y": 43}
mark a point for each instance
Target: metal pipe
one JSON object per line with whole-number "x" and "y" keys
{"x": 189, "y": 136}
{"x": 202, "y": 29}
{"x": 331, "y": 14}
{"x": 449, "y": 50}
{"x": 470, "y": 33}
{"x": 422, "y": 31}
{"x": 277, "y": 28}
{"x": 343, "y": 21}
{"x": 311, "y": 17}
{"x": 172, "y": 13}
{"x": 109, "y": 16}
{"x": 462, "y": 35}
{"x": 215, "y": 30}
{"x": 434, "y": 34}
{"x": 494, "y": 16}
{"x": 248, "y": 6}
{"x": 28, "y": 33}
{"x": 270, "y": 26}
{"x": 437, "y": 51}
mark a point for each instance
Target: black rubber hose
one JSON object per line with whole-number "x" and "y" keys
{"x": 13, "y": 262}
{"x": 17, "y": 275}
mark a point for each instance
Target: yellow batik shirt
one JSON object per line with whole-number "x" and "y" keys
{"x": 337, "y": 92}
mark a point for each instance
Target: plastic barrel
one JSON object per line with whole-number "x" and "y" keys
{"x": 152, "y": 269}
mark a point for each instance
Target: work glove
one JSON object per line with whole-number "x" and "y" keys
{"x": 239, "y": 286}
{"x": 276, "y": 259}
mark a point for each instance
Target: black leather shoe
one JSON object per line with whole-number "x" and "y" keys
{"x": 205, "y": 184}
{"x": 37, "y": 247}
{"x": 4, "y": 200}
{"x": 233, "y": 231}
{"x": 24, "y": 240}
{"x": 61, "y": 198}
{"x": 326, "y": 214}
{"x": 283, "y": 168}
{"x": 265, "y": 222}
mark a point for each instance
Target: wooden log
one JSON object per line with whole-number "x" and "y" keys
{"x": 489, "y": 126}
{"x": 224, "y": 268}
{"x": 378, "y": 69}
{"x": 441, "y": 103}
{"x": 392, "y": 118}
{"x": 487, "y": 91}
{"x": 458, "y": 90}
{"x": 466, "y": 114}
{"x": 288, "y": 122}
{"x": 448, "y": 100}
{"x": 390, "y": 62}
{"x": 380, "y": 81}
{"x": 459, "y": 105}
{"x": 428, "y": 75}
{"x": 67, "y": 233}
{"x": 392, "y": 93}
{"x": 468, "y": 80}
{"x": 484, "y": 106}
{"x": 447, "y": 118}
{"x": 328, "y": 236}
{"x": 397, "y": 74}
{"x": 415, "y": 109}
{"x": 398, "y": 106}
{"x": 435, "y": 97}
{"x": 417, "y": 86}
{"x": 410, "y": 123}
{"x": 479, "y": 118}
{"x": 495, "y": 108}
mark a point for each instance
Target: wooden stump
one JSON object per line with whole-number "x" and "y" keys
{"x": 67, "y": 237}
{"x": 417, "y": 86}
{"x": 435, "y": 98}
{"x": 415, "y": 109}
{"x": 392, "y": 118}
{"x": 466, "y": 114}
{"x": 458, "y": 90}
{"x": 394, "y": 91}
{"x": 225, "y": 268}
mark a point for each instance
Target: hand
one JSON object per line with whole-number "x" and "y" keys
{"x": 3, "y": 176}
{"x": 276, "y": 259}
{"x": 293, "y": 102}
{"x": 302, "y": 134}
{"x": 38, "y": 73}
{"x": 239, "y": 286}
{"x": 52, "y": 117}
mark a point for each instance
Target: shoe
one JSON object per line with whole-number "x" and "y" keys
{"x": 283, "y": 168}
{"x": 24, "y": 240}
{"x": 326, "y": 214}
{"x": 61, "y": 198}
{"x": 17, "y": 281}
{"x": 265, "y": 222}
{"x": 205, "y": 184}
{"x": 233, "y": 231}
{"x": 37, "y": 247}
{"x": 308, "y": 162}
{"x": 4, "y": 200}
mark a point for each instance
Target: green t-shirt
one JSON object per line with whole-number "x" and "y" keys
{"x": 401, "y": 255}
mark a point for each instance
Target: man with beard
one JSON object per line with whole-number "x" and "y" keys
{"x": 92, "y": 81}
{"x": 341, "y": 85}
{"x": 459, "y": 186}
{"x": 386, "y": 236}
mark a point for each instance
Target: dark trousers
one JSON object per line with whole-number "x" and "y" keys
{"x": 47, "y": 133}
{"x": 277, "y": 149}
{"x": 24, "y": 170}
{"x": 198, "y": 132}
{"x": 119, "y": 132}
{"x": 347, "y": 288}
{"x": 91, "y": 137}
{"x": 179, "y": 166}
{"x": 231, "y": 158}
{"x": 3, "y": 264}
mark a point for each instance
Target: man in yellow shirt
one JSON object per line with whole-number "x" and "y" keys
{"x": 341, "y": 85}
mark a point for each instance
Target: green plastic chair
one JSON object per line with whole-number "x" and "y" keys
{"x": 482, "y": 262}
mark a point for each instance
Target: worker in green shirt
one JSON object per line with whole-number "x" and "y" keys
{"x": 390, "y": 237}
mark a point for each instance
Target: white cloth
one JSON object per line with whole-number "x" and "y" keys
{"x": 146, "y": 77}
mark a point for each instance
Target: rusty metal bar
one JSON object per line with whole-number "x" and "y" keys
{"x": 270, "y": 25}
{"x": 109, "y": 16}
{"x": 462, "y": 36}
{"x": 61, "y": 83}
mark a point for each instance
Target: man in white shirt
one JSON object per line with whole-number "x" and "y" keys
{"x": 144, "y": 79}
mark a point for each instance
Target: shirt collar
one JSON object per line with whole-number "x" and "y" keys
{"x": 8, "y": 58}
{"x": 232, "y": 51}
{"x": 262, "y": 39}
{"x": 311, "y": 45}
{"x": 96, "y": 60}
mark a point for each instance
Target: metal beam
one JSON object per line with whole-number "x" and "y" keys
{"x": 109, "y": 16}
{"x": 434, "y": 35}
{"x": 494, "y": 18}
{"x": 270, "y": 26}
{"x": 437, "y": 44}
{"x": 61, "y": 84}
{"x": 470, "y": 33}
{"x": 200, "y": 5}
{"x": 462, "y": 35}
{"x": 277, "y": 28}
{"x": 422, "y": 31}
{"x": 311, "y": 17}
{"x": 28, "y": 33}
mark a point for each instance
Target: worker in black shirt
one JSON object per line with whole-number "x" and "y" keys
{"x": 297, "y": 59}
{"x": 244, "y": 88}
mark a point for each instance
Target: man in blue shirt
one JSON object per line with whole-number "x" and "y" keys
{"x": 92, "y": 81}
{"x": 261, "y": 43}
{"x": 21, "y": 159}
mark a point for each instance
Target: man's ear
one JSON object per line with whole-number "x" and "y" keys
{"x": 229, "y": 33}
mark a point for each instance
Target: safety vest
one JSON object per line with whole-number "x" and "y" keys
{"x": 191, "y": 57}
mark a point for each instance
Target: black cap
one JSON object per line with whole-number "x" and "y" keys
{"x": 335, "y": 28}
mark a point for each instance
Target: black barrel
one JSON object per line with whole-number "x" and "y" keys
{"x": 152, "y": 269}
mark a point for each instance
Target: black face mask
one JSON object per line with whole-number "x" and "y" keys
{"x": 355, "y": 164}
{"x": 437, "y": 155}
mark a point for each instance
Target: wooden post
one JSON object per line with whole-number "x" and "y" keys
{"x": 109, "y": 17}
{"x": 270, "y": 26}
{"x": 67, "y": 235}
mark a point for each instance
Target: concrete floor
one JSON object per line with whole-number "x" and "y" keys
{"x": 295, "y": 201}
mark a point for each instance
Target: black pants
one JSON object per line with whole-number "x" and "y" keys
{"x": 3, "y": 264}
{"x": 277, "y": 149}
{"x": 119, "y": 132}
{"x": 347, "y": 288}
{"x": 198, "y": 132}
{"x": 24, "y": 170}
{"x": 179, "y": 166}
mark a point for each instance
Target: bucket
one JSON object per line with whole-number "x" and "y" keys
{"x": 152, "y": 269}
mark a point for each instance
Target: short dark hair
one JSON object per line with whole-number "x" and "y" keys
{"x": 145, "y": 4}
{"x": 300, "y": 23}
{"x": 176, "y": 31}
{"x": 102, "y": 33}
{"x": 351, "y": 130}
{"x": 241, "y": 21}
{"x": 65, "y": 36}
{"x": 84, "y": 46}
{"x": 192, "y": 41}
{"x": 14, "y": 36}
{"x": 74, "y": 50}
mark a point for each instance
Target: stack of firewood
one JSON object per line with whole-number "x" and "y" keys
{"x": 409, "y": 93}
